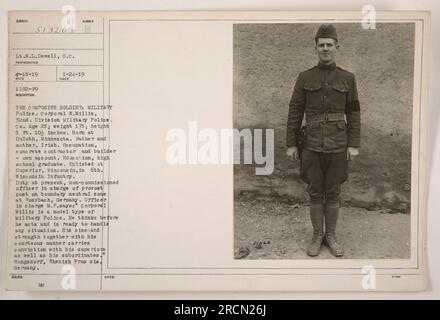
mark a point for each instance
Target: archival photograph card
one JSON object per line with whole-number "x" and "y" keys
{"x": 217, "y": 151}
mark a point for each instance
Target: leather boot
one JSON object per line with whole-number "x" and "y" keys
{"x": 331, "y": 218}
{"x": 317, "y": 218}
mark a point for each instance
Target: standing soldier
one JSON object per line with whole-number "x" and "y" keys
{"x": 327, "y": 95}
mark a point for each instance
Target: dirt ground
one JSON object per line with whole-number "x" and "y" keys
{"x": 274, "y": 230}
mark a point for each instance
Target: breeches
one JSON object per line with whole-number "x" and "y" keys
{"x": 324, "y": 173}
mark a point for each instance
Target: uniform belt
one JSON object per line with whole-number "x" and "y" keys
{"x": 325, "y": 117}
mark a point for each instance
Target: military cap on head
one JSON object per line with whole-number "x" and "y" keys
{"x": 326, "y": 31}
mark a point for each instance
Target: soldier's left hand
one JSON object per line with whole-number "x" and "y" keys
{"x": 352, "y": 152}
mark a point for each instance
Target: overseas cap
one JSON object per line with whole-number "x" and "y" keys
{"x": 326, "y": 31}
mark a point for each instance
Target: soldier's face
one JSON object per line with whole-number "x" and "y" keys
{"x": 326, "y": 49}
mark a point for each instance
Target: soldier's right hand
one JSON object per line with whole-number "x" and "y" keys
{"x": 292, "y": 152}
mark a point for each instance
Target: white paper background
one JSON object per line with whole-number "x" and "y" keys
{"x": 434, "y": 136}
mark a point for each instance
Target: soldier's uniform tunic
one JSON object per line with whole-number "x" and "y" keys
{"x": 327, "y": 96}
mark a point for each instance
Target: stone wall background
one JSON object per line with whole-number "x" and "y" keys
{"x": 267, "y": 61}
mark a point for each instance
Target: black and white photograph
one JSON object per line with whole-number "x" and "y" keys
{"x": 238, "y": 151}
{"x": 339, "y": 98}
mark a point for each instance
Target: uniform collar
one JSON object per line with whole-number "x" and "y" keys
{"x": 326, "y": 66}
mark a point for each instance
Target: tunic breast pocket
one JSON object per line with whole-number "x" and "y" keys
{"x": 338, "y": 96}
{"x": 313, "y": 92}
